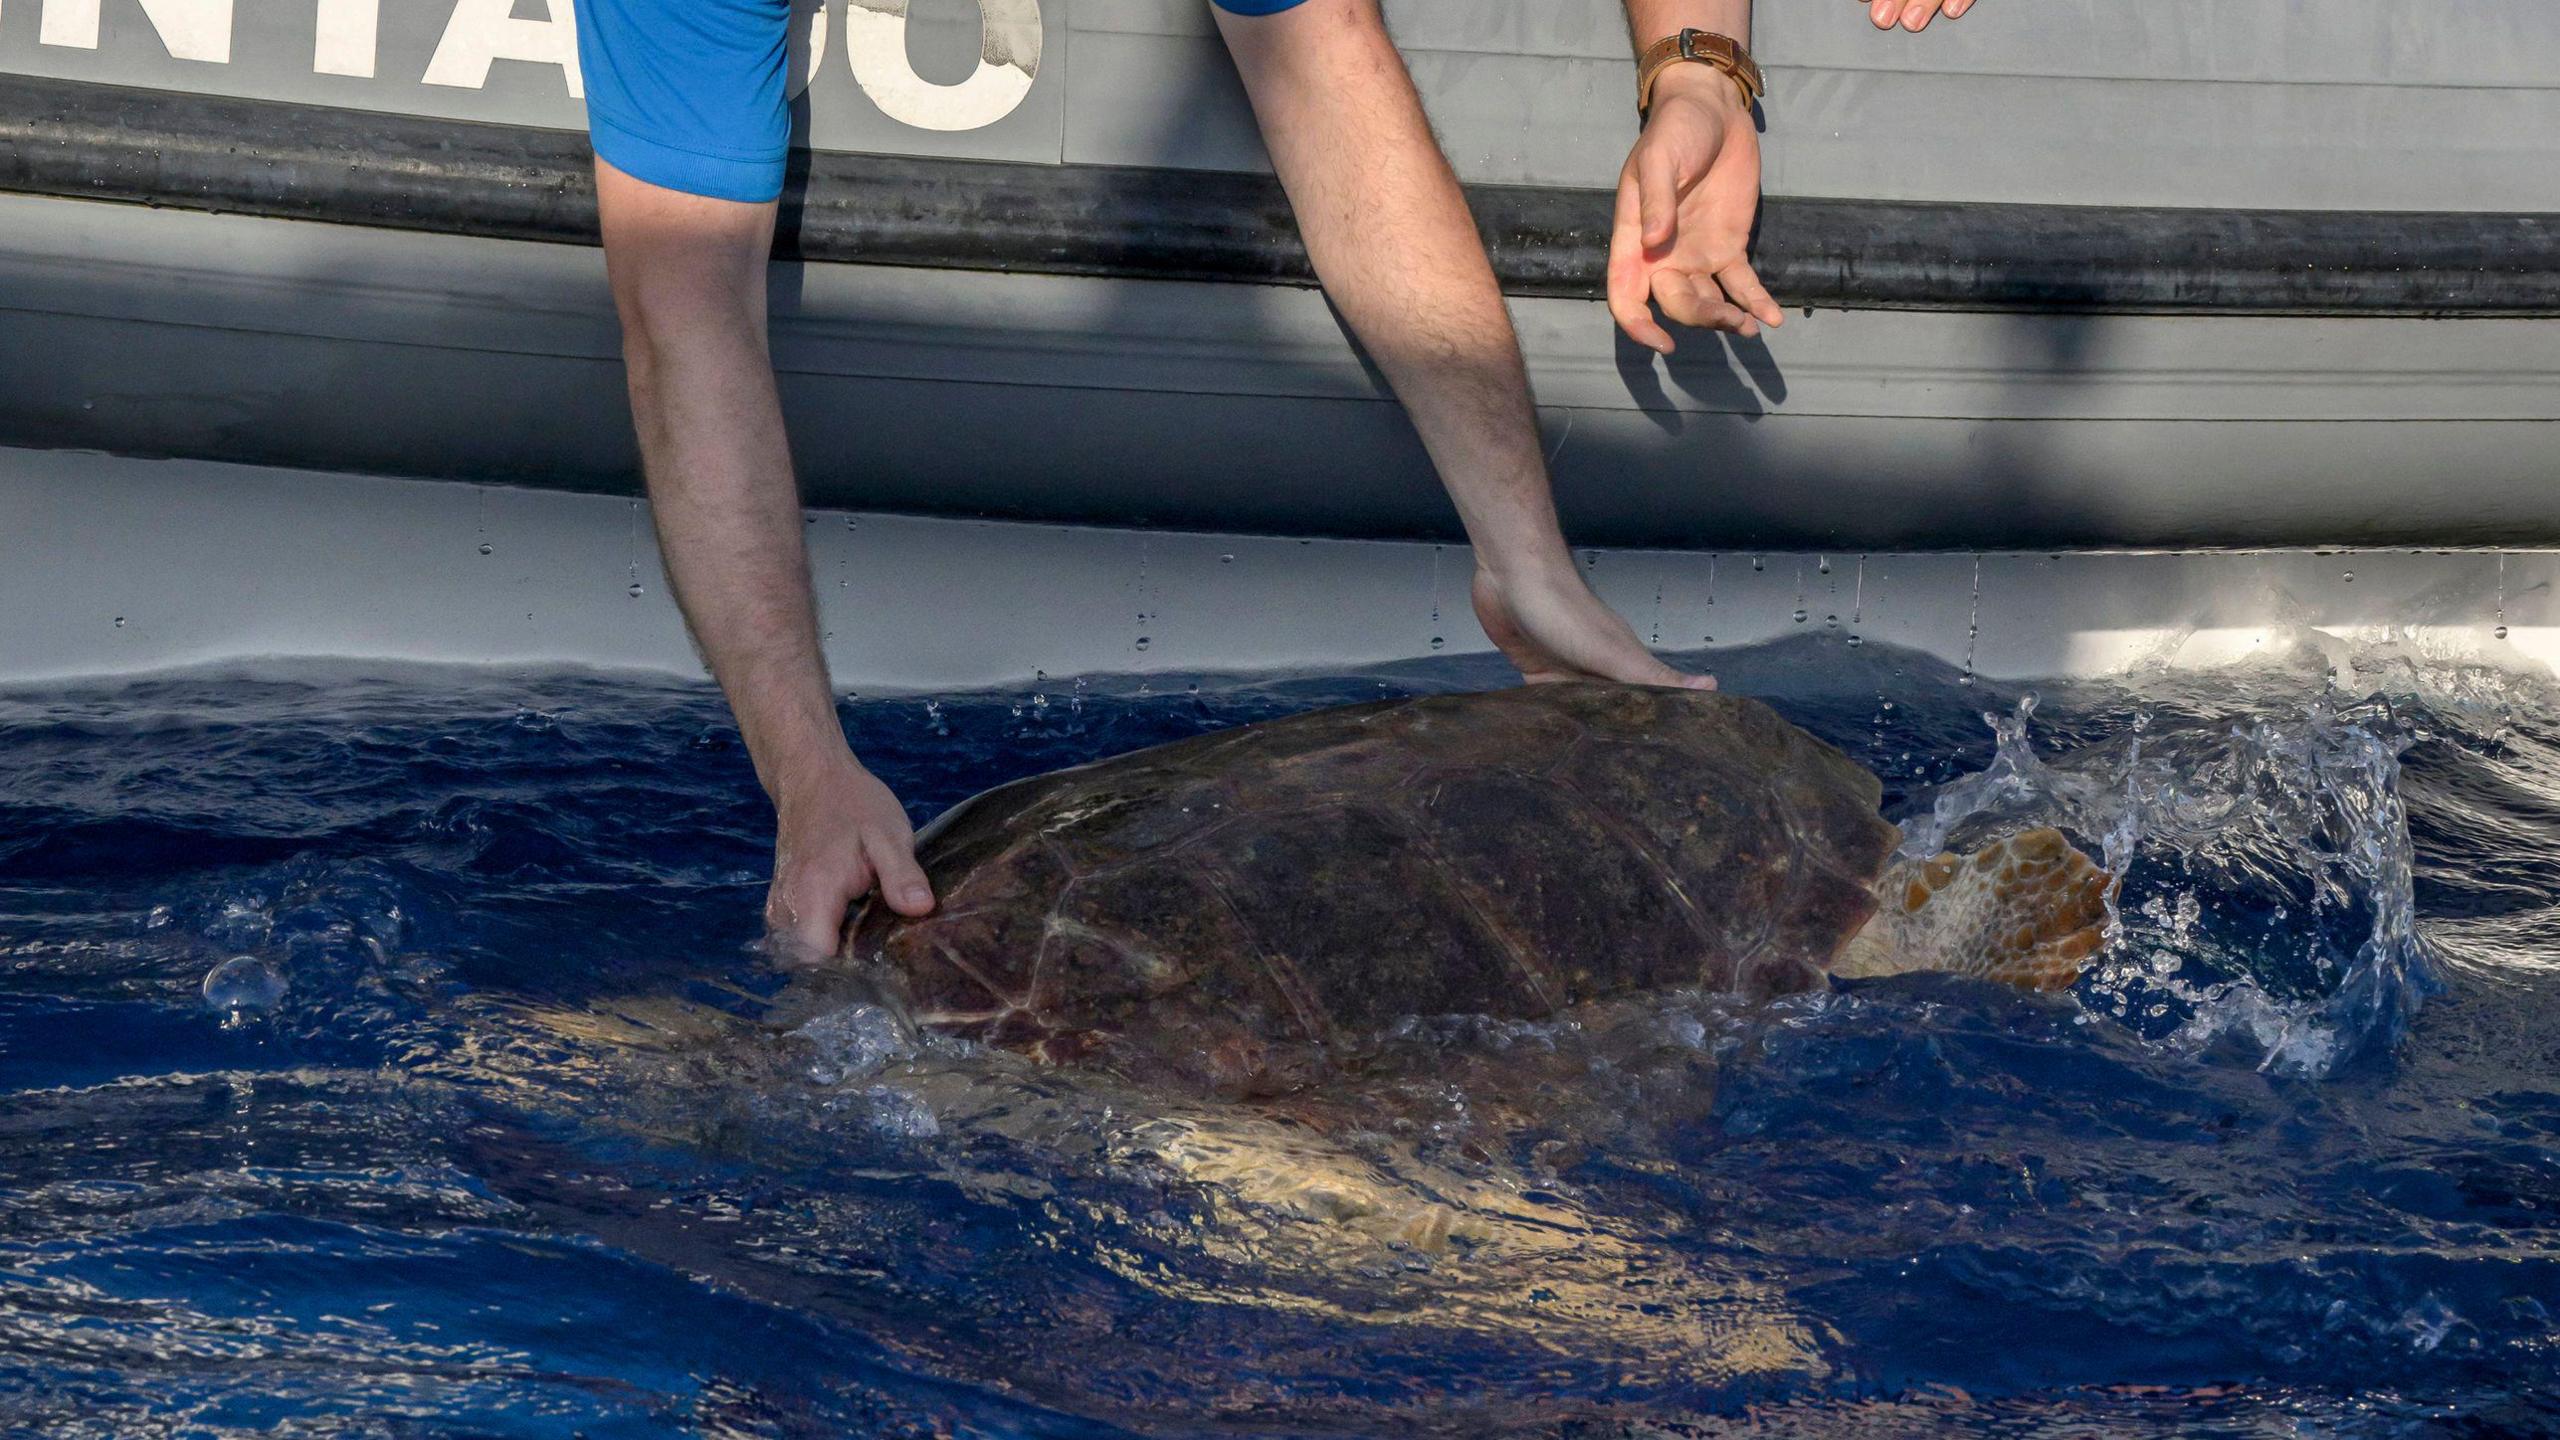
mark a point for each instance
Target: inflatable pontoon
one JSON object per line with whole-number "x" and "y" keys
{"x": 2188, "y": 274}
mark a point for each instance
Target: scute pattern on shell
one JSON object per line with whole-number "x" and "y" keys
{"x": 1244, "y": 908}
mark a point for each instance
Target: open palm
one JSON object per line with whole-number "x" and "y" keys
{"x": 1686, "y": 200}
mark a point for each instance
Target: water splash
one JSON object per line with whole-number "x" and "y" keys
{"x": 2267, "y": 892}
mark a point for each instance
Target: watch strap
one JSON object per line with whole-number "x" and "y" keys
{"x": 1703, "y": 47}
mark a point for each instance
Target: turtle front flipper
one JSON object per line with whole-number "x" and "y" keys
{"x": 2029, "y": 911}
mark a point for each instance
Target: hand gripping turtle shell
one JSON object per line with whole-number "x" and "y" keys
{"x": 1244, "y": 912}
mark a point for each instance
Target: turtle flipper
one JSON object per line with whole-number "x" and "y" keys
{"x": 2029, "y": 910}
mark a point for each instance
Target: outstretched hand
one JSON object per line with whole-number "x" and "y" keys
{"x": 841, "y": 835}
{"x": 1686, "y": 200}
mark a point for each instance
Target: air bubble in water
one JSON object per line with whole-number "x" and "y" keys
{"x": 1801, "y": 615}
{"x": 2500, "y": 632}
{"x": 1855, "y": 642}
{"x": 488, "y": 549}
{"x": 1831, "y": 622}
{"x": 1756, "y": 565}
{"x": 1437, "y": 642}
{"x": 2349, "y": 577}
{"x": 1226, "y": 559}
{"x": 119, "y": 622}
{"x": 1822, "y": 565}
{"x": 634, "y": 591}
{"x": 1144, "y": 642}
{"x": 243, "y": 985}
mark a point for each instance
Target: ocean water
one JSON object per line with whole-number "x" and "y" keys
{"x": 390, "y": 1054}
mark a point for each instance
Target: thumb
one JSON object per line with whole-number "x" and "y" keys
{"x": 901, "y": 879}
{"x": 1658, "y": 196}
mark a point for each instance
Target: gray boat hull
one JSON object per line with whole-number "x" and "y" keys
{"x": 2277, "y": 358}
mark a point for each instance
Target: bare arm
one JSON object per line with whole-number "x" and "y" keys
{"x": 688, "y": 278}
{"x": 1391, "y": 237}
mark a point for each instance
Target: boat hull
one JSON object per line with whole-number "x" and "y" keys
{"x": 1080, "y": 298}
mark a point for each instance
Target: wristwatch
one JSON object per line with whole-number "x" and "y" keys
{"x": 1705, "y": 47}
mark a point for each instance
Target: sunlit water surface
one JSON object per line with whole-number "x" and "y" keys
{"x": 391, "y": 1056}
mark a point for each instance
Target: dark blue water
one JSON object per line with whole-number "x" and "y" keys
{"x": 487, "y": 1134}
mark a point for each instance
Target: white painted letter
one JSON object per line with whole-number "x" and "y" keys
{"x": 875, "y": 31}
{"x": 189, "y": 29}
{"x": 345, "y": 42}
{"x": 485, "y": 30}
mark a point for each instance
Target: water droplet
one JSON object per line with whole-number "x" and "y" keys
{"x": 1756, "y": 564}
{"x": 1822, "y": 565}
{"x": 2501, "y": 631}
{"x": 1226, "y": 559}
{"x": 243, "y": 985}
{"x": 119, "y": 622}
{"x": 1831, "y": 622}
{"x": 852, "y": 524}
{"x": 634, "y": 591}
{"x": 1801, "y": 616}
{"x": 2349, "y": 577}
{"x": 1965, "y": 679}
{"x": 1437, "y": 642}
{"x": 488, "y": 549}
{"x": 1855, "y": 642}
{"x": 1144, "y": 642}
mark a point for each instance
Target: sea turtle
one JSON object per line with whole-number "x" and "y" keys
{"x": 1197, "y": 961}
{"x": 1243, "y": 913}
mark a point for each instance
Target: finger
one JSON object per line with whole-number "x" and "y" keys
{"x": 1654, "y": 672}
{"x": 1884, "y": 12}
{"x": 1956, "y": 8}
{"x": 1742, "y": 285}
{"x": 809, "y": 919}
{"x": 1628, "y": 660}
{"x": 1704, "y": 306}
{"x": 1917, "y": 14}
{"x": 1658, "y": 190}
{"x": 1630, "y": 302}
{"x": 902, "y": 881}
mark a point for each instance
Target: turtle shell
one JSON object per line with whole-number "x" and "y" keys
{"x": 1246, "y": 908}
